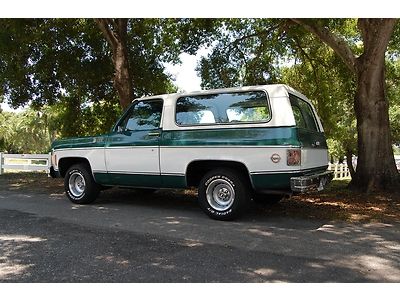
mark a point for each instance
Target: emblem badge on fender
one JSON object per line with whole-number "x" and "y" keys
{"x": 275, "y": 158}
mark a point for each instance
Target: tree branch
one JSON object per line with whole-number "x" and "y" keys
{"x": 376, "y": 34}
{"x": 104, "y": 25}
{"x": 255, "y": 34}
{"x": 336, "y": 43}
{"x": 305, "y": 54}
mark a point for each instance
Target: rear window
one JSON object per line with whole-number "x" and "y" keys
{"x": 303, "y": 114}
{"x": 223, "y": 108}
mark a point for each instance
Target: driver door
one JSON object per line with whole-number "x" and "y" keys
{"x": 132, "y": 150}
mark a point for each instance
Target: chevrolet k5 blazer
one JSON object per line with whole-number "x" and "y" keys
{"x": 233, "y": 145}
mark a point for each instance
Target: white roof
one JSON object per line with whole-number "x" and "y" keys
{"x": 273, "y": 90}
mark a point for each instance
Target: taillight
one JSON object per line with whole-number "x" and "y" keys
{"x": 293, "y": 157}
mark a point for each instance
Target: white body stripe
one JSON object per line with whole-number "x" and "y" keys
{"x": 176, "y": 160}
{"x": 313, "y": 158}
{"x": 95, "y": 156}
{"x": 132, "y": 159}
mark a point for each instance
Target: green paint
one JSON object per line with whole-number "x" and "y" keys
{"x": 272, "y": 181}
{"x": 308, "y": 138}
{"x": 132, "y": 180}
{"x": 254, "y": 136}
{"x": 133, "y": 138}
{"x": 82, "y": 142}
{"x": 257, "y": 136}
{"x": 141, "y": 180}
{"x": 173, "y": 181}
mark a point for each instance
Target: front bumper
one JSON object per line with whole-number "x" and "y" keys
{"x": 309, "y": 183}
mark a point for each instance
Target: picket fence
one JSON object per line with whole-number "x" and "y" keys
{"x": 341, "y": 170}
{"x": 25, "y": 162}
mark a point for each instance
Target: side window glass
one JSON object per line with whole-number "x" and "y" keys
{"x": 143, "y": 115}
{"x": 303, "y": 114}
{"x": 298, "y": 116}
{"x": 222, "y": 108}
{"x": 195, "y": 117}
{"x": 247, "y": 114}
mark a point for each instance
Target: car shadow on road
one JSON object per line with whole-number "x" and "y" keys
{"x": 185, "y": 201}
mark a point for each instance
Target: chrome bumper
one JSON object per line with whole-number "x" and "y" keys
{"x": 308, "y": 183}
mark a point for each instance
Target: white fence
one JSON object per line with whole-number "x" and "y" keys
{"x": 341, "y": 171}
{"x": 25, "y": 162}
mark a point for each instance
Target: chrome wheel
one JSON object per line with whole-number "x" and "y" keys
{"x": 77, "y": 184}
{"x": 220, "y": 194}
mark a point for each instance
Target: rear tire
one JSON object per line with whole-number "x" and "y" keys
{"x": 224, "y": 194}
{"x": 79, "y": 184}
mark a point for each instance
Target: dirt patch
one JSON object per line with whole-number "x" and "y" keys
{"x": 35, "y": 182}
{"x": 335, "y": 203}
{"x": 339, "y": 203}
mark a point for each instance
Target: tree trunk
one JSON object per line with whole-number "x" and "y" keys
{"x": 122, "y": 77}
{"x": 376, "y": 169}
{"x": 115, "y": 32}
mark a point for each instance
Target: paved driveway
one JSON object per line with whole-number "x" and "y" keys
{"x": 126, "y": 237}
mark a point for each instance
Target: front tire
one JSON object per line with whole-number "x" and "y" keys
{"x": 79, "y": 185}
{"x": 224, "y": 194}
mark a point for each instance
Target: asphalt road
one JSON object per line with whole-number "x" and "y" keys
{"x": 125, "y": 237}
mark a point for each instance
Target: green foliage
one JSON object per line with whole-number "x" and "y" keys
{"x": 66, "y": 64}
{"x": 320, "y": 75}
{"x": 246, "y": 53}
{"x": 24, "y": 132}
{"x": 44, "y": 60}
{"x": 396, "y": 150}
{"x": 69, "y": 119}
{"x": 32, "y": 131}
{"x": 393, "y": 92}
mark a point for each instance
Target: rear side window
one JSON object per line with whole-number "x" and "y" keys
{"x": 239, "y": 107}
{"x": 303, "y": 114}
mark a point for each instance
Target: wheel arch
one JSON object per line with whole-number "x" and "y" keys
{"x": 66, "y": 162}
{"x": 196, "y": 169}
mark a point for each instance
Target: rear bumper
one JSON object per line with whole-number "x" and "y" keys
{"x": 308, "y": 183}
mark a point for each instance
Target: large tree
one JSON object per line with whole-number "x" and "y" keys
{"x": 376, "y": 169}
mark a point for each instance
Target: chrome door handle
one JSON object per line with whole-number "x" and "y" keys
{"x": 155, "y": 133}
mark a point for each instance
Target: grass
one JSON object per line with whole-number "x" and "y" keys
{"x": 334, "y": 203}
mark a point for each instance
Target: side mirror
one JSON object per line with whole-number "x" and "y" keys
{"x": 119, "y": 128}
